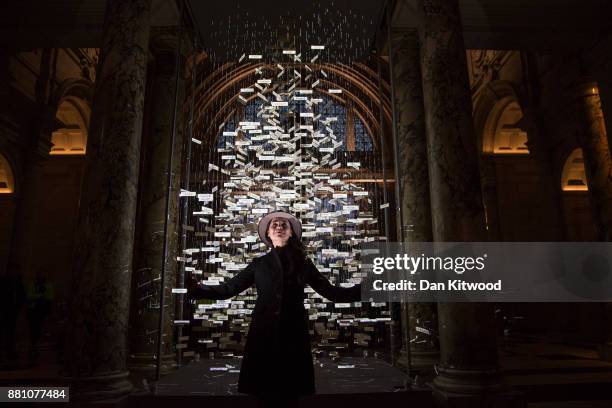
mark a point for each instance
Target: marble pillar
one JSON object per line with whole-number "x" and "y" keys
{"x": 145, "y": 303}
{"x": 468, "y": 373}
{"x": 598, "y": 64}
{"x": 593, "y": 140}
{"x": 413, "y": 181}
{"x": 97, "y": 349}
{"x": 541, "y": 151}
{"x": 25, "y": 222}
{"x": 35, "y": 150}
{"x": 605, "y": 95}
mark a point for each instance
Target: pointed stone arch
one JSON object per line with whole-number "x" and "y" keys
{"x": 72, "y": 106}
{"x": 573, "y": 175}
{"x": 499, "y": 120}
{"x": 7, "y": 176}
{"x": 221, "y": 86}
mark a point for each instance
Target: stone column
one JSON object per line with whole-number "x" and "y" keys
{"x": 541, "y": 151}
{"x": 22, "y": 250}
{"x": 414, "y": 187}
{"x": 96, "y": 354}
{"x": 598, "y": 61}
{"x": 593, "y": 140}
{"x": 35, "y": 150}
{"x": 468, "y": 373}
{"x": 597, "y": 163}
{"x": 605, "y": 94}
{"x": 152, "y": 205}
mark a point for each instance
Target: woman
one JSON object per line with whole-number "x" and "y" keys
{"x": 277, "y": 364}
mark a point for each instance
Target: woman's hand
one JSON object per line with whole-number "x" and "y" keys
{"x": 194, "y": 290}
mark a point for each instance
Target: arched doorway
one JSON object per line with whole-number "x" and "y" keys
{"x": 71, "y": 139}
{"x": 7, "y": 180}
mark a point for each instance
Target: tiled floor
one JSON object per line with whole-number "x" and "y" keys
{"x": 348, "y": 376}
{"x": 552, "y": 375}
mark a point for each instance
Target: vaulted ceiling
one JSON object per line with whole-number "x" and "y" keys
{"x": 525, "y": 24}
{"x": 494, "y": 24}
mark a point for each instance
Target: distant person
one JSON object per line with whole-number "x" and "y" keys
{"x": 12, "y": 298}
{"x": 277, "y": 366}
{"x": 40, "y": 297}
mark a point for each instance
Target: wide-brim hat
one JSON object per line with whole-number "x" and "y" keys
{"x": 262, "y": 228}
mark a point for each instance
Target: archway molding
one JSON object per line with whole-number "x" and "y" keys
{"x": 217, "y": 93}
{"x": 7, "y": 176}
{"x": 573, "y": 175}
{"x": 490, "y": 103}
{"x": 71, "y": 105}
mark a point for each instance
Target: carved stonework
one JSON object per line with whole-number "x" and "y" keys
{"x": 97, "y": 352}
{"x": 88, "y": 61}
{"x": 484, "y": 65}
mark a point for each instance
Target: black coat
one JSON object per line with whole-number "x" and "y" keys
{"x": 277, "y": 357}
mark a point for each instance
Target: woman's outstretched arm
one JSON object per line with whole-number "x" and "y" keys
{"x": 334, "y": 293}
{"x": 237, "y": 284}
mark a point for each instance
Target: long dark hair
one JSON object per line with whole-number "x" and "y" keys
{"x": 297, "y": 246}
{"x": 297, "y": 251}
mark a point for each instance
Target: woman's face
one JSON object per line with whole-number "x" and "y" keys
{"x": 279, "y": 231}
